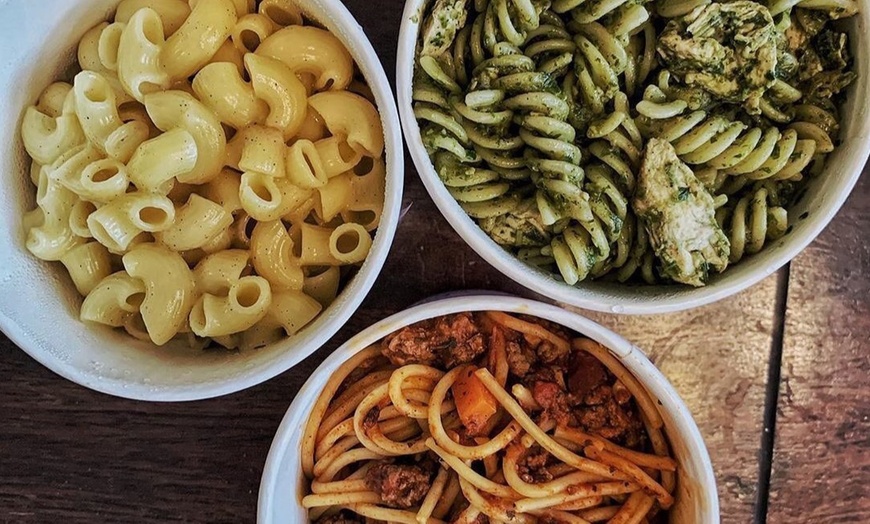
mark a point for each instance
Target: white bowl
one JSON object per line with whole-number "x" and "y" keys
{"x": 38, "y": 304}
{"x": 822, "y": 201}
{"x": 283, "y": 485}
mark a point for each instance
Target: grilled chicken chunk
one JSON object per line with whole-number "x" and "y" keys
{"x": 447, "y": 17}
{"x": 679, "y": 215}
{"x": 728, "y": 49}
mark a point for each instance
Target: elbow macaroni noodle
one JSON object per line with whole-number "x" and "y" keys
{"x": 206, "y": 175}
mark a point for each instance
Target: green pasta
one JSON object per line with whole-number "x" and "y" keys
{"x": 648, "y": 142}
{"x": 750, "y": 222}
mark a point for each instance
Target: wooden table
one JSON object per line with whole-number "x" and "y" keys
{"x": 777, "y": 378}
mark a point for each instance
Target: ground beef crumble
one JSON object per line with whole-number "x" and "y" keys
{"x": 521, "y": 357}
{"x": 581, "y": 394}
{"x": 398, "y": 485}
{"x": 411, "y": 345}
{"x": 448, "y": 341}
{"x": 550, "y": 353}
{"x": 532, "y": 467}
{"x": 602, "y": 415}
{"x": 587, "y": 374}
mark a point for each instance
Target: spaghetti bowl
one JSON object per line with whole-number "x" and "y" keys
{"x": 40, "y": 307}
{"x": 296, "y": 457}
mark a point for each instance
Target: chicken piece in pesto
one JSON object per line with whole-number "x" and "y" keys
{"x": 728, "y": 49}
{"x": 679, "y": 216}
{"x": 447, "y": 17}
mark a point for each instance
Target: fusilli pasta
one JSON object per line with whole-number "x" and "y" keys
{"x": 539, "y": 117}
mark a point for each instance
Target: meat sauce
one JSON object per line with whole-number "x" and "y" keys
{"x": 446, "y": 342}
{"x": 400, "y": 484}
{"x": 573, "y": 388}
{"x": 569, "y": 387}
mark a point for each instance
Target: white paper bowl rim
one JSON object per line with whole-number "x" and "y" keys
{"x": 283, "y": 453}
{"x": 841, "y": 173}
{"x": 49, "y": 351}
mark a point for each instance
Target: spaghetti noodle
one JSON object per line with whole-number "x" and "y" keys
{"x": 486, "y": 417}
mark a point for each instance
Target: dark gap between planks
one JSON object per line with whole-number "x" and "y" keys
{"x": 771, "y": 397}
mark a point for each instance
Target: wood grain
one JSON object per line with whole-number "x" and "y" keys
{"x": 821, "y": 467}
{"x": 73, "y": 455}
{"x": 716, "y": 357}
{"x": 68, "y": 454}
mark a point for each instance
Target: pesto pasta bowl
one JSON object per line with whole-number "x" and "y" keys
{"x": 137, "y": 149}
{"x": 555, "y": 202}
{"x": 284, "y": 487}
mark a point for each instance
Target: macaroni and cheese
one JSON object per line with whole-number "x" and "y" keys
{"x": 213, "y": 173}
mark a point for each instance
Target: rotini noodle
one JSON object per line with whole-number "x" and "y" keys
{"x": 539, "y": 119}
